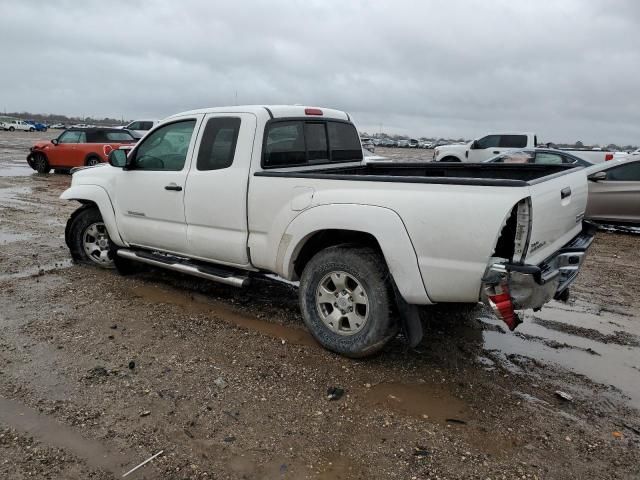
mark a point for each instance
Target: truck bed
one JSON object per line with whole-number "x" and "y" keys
{"x": 489, "y": 174}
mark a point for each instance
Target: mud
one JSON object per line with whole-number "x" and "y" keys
{"x": 109, "y": 370}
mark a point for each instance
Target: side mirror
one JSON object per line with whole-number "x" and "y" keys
{"x": 474, "y": 145}
{"x": 117, "y": 158}
{"x": 54, "y": 141}
{"x": 598, "y": 176}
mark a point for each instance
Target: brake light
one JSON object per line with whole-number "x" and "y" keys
{"x": 107, "y": 150}
{"x": 313, "y": 111}
{"x": 608, "y": 156}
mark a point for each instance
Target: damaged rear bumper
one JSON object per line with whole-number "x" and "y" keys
{"x": 508, "y": 286}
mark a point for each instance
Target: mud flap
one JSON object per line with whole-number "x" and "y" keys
{"x": 409, "y": 320}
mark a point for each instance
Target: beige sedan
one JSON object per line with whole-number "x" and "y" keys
{"x": 614, "y": 192}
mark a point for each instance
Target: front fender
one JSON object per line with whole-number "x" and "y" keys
{"x": 383, "y": 223}
{"x": 99, "y": 196}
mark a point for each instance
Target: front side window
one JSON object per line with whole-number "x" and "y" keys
{"x": 145, "y": 126}
{"x": 166, "y": 148}
{"x": 134, "y": 126}
{"x": 218, "y": 144}
{"x": 490, "y": 141}
{"x": 70, "y": 137}
{"x": 513, "y": 141}
{"x": 625, "y": 173}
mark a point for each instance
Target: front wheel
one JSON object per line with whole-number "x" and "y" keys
{"x": 88, "y": 239}
{"x": 92, "y": 161}
{"x": 40, "y": 163}
{"x": 345, "y": 298}
{"x": 12, "y": 129}
{"x": 32, "y": 129}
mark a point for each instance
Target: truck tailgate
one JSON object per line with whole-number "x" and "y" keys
{"x": 557, "y": 208}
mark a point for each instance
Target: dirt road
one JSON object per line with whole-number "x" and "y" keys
{"x": 98, "y": 372}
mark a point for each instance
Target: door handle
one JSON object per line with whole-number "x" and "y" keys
{"x": 174, "y": 187}
{"x": 496, "y": 151}
{"x": 565, "y": 192}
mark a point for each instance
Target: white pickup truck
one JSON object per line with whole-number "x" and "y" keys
{"x": 230, "y": 193}
{"x": 494, "y": 144}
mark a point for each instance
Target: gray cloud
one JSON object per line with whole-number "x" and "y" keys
{"x": 566, "y": 69}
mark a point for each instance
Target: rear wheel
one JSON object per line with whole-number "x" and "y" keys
{"x": 32, "y": 129}
{"x": 91, "y": 161}
{"x": 40, "y": 163}
{"x": 450, "y": 159}
{"x": 12, "y": 129}
{"x": 345, "y": 298}
{"x": 88, "y": 239}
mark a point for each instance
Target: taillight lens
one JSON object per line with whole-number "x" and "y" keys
{"x": 502, "y": 306}
{"x": 523, "y": 230}
{"x": 107, "y": 149}
{"x": 608, "y": 156}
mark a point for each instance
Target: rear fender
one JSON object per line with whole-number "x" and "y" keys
{"x": 99, "y": 196}
{"x": 382, "y": 223}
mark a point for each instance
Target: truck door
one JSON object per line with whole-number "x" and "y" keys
{"x": 149, "y": 198}
{"x": 216, "y": 193}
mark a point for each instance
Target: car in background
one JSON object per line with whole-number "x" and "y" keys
{"x": 614, "y": 192}
{"x": 403, "y": 143}
{"x": 14, "y": 124}
{"x": 139, "y": 128}
{"x": 58, "y": 126}
{"x": 40, "y": 127}
{"x": 544, "y": 156}
{"x": 413, "y": 143}
{"x": 425, "y": 144}
{"x": 77, "y": 147}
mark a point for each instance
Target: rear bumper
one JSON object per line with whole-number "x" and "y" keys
{"x": 508, "y": 287}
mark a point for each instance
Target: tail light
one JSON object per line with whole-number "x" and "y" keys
{"x": 523, "y": 230}
{"x": 608, "y": 156}
{"x": 107, "y": 150}
{"x": 313, "y": 111}
{"x": 501, "y": 304}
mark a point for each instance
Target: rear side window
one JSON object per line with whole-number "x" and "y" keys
{"x": 145, "y": 126}
{"x": 513, "y": 141}
{"x": 119, "y": 136}
{"x": 218, "y": 145}
{"x": 299, "y": 142}
{"x": 549, "y": 158}
{"x": 71, "y": 137}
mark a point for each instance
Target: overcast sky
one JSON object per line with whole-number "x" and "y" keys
{"x": 566, "y": 69}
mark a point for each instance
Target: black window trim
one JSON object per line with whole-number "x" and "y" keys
{"x": 134, "y": 152}
{"x": 307, "y": 163}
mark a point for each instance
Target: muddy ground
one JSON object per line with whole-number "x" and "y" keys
{"x": 98, "y": 372}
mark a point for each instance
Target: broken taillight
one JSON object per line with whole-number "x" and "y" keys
{"x": 107, "y": 150}
{"x": 608, "y": 156}
{"x": 501, "y": 304}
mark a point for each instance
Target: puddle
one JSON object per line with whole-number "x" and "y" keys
{"x": 609, "y": 363}
{"x": 53, "y": 433}
{"x": 11, "y": 195}
{"x": 427, "y": 401}
{"x": 196, "y": 303}
{"x": 37, "y": 270}
{"x": 17, "y": 171}
{"x": 7, "y": 237}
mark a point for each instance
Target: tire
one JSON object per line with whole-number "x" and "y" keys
{"x": 45, "y": 129}
{"x": 12, "y": 129}
{"x": 32, "y": 129}
{"x": 40, "y": 163}
{"x": 88, "y": 239}
{"x": 91, "y": 161}
{"x": 450, "y": 159}
{"x": 365, "y": 277}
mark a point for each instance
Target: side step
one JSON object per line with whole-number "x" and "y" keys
{"x": 181, "y": 265}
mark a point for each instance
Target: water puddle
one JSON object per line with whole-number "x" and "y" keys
{"x": 16, "y": 171}
{"x": 38, "y": 270}
{"x": 603, "y": 347}
{"x": 196, "y": 303}
{"x": 8, "y": 237}
{"x": 11, "y": 195}
{"x": 431, "y": 402}
{"x": 53, "y": 433}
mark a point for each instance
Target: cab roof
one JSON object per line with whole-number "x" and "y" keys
{"x": 273, "y": 111}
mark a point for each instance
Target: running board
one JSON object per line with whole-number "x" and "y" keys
{"x": 184, "y": 266}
